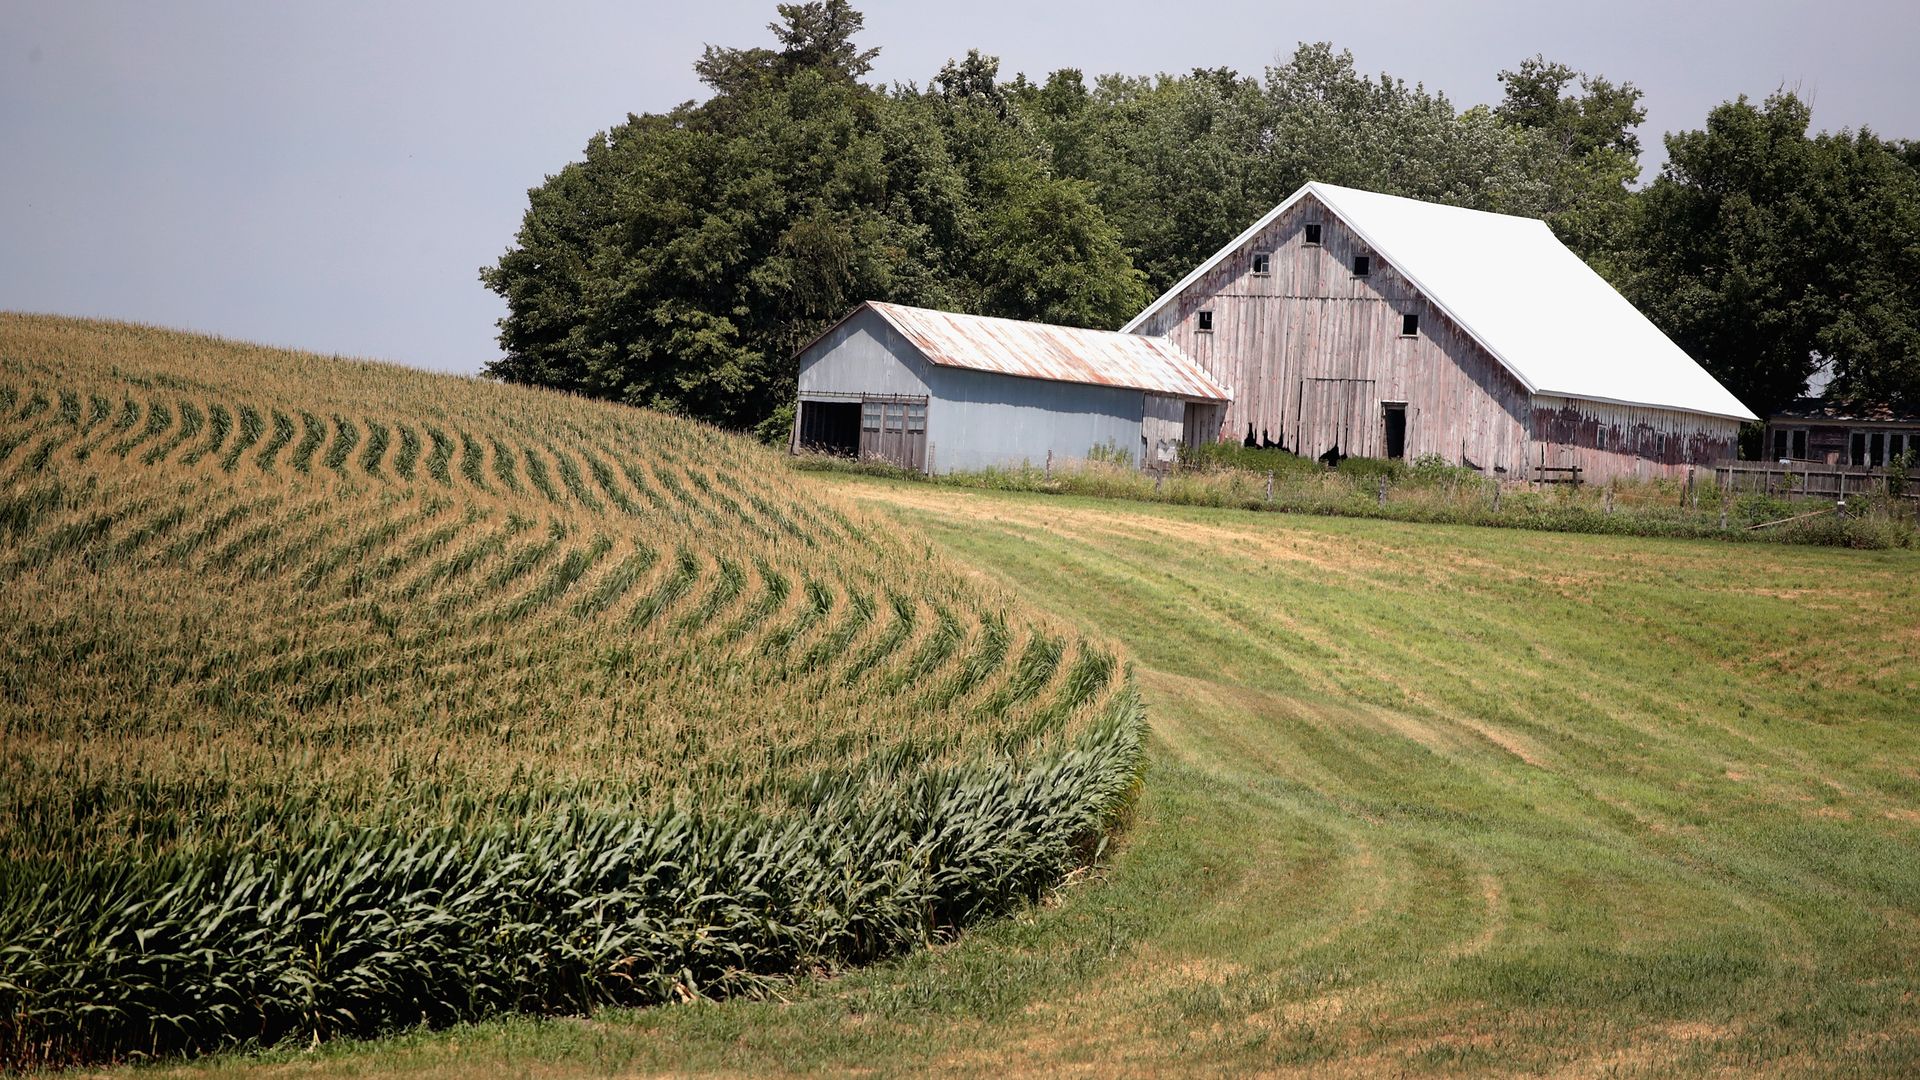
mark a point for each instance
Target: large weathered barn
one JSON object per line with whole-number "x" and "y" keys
{"x": 1363, "y": 324}
{"x": 936, "y": 391}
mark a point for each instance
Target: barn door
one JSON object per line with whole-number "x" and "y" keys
{"x": 1334, "y": 414}
{"x": 894, "y": 429}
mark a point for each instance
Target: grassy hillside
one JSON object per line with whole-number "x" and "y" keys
{"x": 336, "y": 696}
{"x": 1421, "y": 800}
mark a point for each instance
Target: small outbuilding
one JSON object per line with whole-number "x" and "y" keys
{"x": 1860, "y": 435}
{"x": 936, "y": 391}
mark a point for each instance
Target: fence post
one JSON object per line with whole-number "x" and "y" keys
{"x": 1693, "y": 493}
{"x": 1496, "y": 496}
{"x": 1158, "y": 476}
{"x": 1049, "y": 464}
{"x": 1609, "y": 498}
{"x": 1269, "y": 485}
{"x": 1383, "y": 492}
{"x": 1840, "y": 508}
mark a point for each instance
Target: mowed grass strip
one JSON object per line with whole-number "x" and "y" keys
{"x": 1423, "y": 800}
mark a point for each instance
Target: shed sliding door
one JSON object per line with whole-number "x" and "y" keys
{"x": 894, "y": 429}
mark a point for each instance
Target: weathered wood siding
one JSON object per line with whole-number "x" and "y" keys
{"x": 1311, "y": 352}
{"x": 1607, "y": 440}
{"x": 1161, "y": 422}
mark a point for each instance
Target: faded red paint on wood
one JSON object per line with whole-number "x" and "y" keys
{"x": 1311, "y": 352}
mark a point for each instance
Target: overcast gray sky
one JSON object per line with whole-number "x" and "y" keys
{"x": 332, "y": 175}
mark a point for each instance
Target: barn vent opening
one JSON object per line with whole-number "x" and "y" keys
{"x": 1261, "y": 264}
{"x": 1362, "y": 265}
{"x": 1206, "y": 322}
{"x": 1409, "y": 326}
{"x": 1313, "y": 234}
{"x": 830, "y": 427}
{"x": 1396, "y": 424}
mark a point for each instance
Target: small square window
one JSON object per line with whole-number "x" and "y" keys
{"x": 1409, "y": 325}
{"x": 1206, "y": 322}
{"x": 1362, "y": 265}
{"x": 1261, "y": 263}
{"x": 1313, "y": 234}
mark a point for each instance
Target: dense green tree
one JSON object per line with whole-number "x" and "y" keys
{"x": 681, "y": 261}
{"x": 1586, "y": 127}
{"x": 1766, "y": 252}
{"x": 1872, "y": 334}
{"x": 1601, "y": 118}
{"x": 1180, "y": 164}
{"x": 684, "y": 259}
{"x": 1035, "y": 244}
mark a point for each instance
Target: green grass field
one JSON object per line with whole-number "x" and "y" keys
{"x": 337, "y": 698}
{"x": 1421, "y": 799}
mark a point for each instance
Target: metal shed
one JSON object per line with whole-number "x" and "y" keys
{"x": 937, "y": 391}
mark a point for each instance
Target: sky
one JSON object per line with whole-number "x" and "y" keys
{"x": 332, "y": 176}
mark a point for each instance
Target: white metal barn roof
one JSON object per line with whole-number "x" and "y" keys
{"x": 1058, "y": 353}
{"x": 1518, "y": 291}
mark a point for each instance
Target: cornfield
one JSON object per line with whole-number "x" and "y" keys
{"x": 338, "y": 698}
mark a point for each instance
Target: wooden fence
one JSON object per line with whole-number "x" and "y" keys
{"x": 1809, "y": 478}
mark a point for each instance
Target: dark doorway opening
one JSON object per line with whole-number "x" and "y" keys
{"x": 830, "y": 427}
{"x": 1396, "y": 416}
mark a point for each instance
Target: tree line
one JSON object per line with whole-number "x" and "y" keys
{"x": 684, "y": 258}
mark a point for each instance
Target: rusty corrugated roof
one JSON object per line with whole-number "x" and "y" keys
{"x": 1058, "y": 353}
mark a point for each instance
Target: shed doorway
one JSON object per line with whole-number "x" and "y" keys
{"x": 1395, "y": 415}
{"x": 830, "y": 427}
{"x": 1200, "y": 424}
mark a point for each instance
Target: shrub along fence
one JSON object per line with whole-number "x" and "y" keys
{"x": 1430, "y": 490}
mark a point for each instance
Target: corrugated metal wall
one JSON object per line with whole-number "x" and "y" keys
{"x": 975, "y": 419}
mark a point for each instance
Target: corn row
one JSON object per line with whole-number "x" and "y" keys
{"x": 338, "y": 698}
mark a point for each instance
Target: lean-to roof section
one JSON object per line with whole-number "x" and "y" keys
{"x": 1512, "y": 285}
{"x": 1057, "y": 353}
